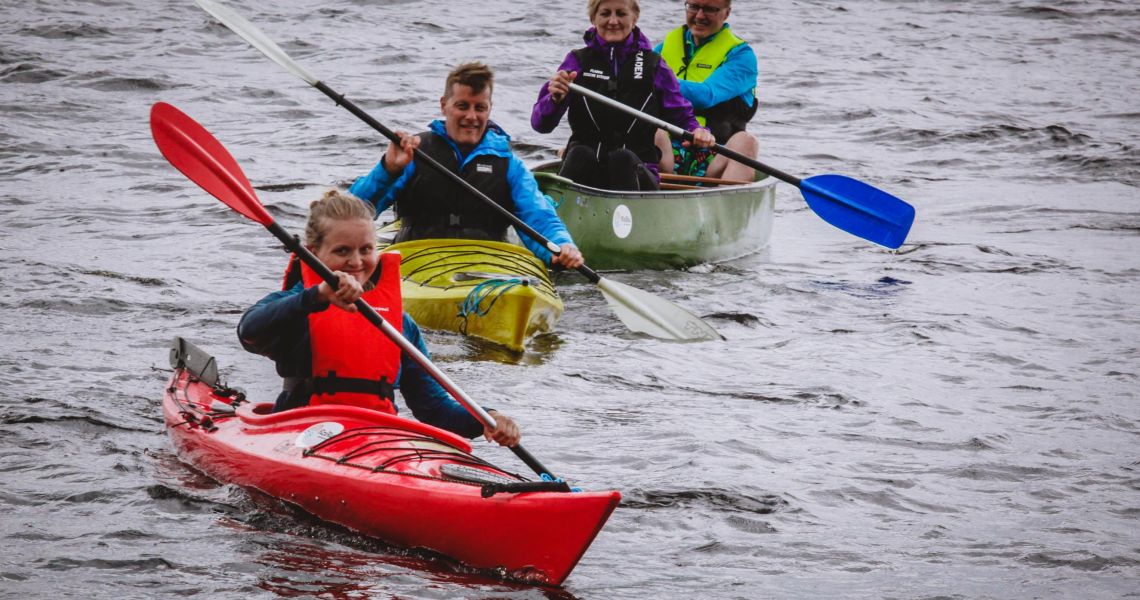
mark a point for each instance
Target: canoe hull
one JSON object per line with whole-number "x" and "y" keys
{"x": 537, "y": 537}
{"x": 664, "y": 229}
{"x": 445, "y": 288}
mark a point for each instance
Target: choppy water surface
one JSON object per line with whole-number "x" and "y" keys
{"x": 957, "y": 419}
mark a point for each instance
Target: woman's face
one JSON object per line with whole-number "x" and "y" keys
{"x": 614, "y": 20}
{"x": 350, "y": 246}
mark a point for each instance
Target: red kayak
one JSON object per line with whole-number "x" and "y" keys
{"x": 398, "y": 480}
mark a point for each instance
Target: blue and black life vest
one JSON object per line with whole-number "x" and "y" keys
{"x": 432, "y": 206}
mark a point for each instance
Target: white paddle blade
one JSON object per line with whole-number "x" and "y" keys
{"x": 645, "y": 313}
{"x": 250, "y": 33}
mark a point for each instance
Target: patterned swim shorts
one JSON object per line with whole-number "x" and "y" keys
{"x": 690, "y": 161}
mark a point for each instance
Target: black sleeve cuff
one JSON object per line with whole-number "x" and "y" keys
{"x": 311, "y": 300}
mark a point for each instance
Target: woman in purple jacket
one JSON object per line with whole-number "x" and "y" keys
{"x": 609, "y": 149}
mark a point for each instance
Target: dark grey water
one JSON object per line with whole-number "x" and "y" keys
{"x": 958, "y": 419}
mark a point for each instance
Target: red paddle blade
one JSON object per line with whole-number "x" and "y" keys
{"x": 203, "y": 159}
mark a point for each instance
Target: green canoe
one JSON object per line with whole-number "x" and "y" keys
{"x": 672, "y": 228}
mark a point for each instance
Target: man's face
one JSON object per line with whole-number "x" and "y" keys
{"x": 466, "y": 113}
{"x": 701, "y": 22}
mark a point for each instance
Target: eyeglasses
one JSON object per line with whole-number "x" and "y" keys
{"x": 711, "y": 11}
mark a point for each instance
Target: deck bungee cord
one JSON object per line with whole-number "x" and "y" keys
{"x": 463, "y": 467}
{"x": 394, "y": 438}
{"x": 472, "y": 305}
{"x": 490, "y": 274}
{"x": 417, "y": 264}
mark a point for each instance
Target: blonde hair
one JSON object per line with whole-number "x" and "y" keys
{"x": 333, "y": 206}
{"x": 592, "y": 7}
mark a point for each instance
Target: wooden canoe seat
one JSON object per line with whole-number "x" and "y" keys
{"x": 689, "y": 181}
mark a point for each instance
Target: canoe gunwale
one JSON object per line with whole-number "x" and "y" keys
{"x": 543, "y": 172}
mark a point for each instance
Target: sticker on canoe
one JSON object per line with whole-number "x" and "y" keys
{"x": 318, "y": 433}
{"x": 623, "y": 221}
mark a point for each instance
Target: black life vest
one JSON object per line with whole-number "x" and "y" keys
{"x": 605, "y": 128}
{"x": 727, "y": 118}
{"x": 433, "y": 206}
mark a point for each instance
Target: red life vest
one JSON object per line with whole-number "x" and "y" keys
{"x": 353, "y": 362}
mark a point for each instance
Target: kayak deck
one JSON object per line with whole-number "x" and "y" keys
{"x": 491, "y": 290}
{"x": 402, "y": 481}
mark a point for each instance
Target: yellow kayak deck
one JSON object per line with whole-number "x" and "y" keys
{"x": 491, "y": 290}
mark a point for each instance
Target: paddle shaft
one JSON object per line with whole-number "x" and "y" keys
{"x": 423, "y": 157}
{"x": 681, "y": 133}
{"x": 294, "y": 245}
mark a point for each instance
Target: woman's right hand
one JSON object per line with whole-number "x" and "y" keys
{"x": 399, "y": 156}
{"x": 346, "y": 293}
{"x": 560, "y": 85}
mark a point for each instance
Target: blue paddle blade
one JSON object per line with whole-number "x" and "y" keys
{"x": 859, "y": 208}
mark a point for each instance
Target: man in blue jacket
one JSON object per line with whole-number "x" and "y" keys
{"x": 717, "y": 72}
{"x": 467, "y": 142}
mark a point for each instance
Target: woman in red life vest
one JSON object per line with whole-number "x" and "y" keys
{"x": 327, "y": 353}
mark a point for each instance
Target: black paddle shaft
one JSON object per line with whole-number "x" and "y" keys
{"x": 391, "y": 135}
{"x": 294, "y": 245}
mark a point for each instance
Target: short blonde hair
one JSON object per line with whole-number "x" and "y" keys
{"x": 334, "y": 205}
{"x": 592, "y": 7}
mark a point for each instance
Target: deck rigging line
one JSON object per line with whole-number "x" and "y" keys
{"x": 386, "y": 439}
{"x": 436, "y": 267}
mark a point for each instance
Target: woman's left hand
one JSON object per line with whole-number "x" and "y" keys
{"x": 506, "y": 432}
{"x": 702, "y": 138}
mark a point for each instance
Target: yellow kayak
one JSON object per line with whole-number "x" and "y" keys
{"x": 491, "y": 290}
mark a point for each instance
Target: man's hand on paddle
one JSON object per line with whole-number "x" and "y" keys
{"x": 400, "y": 156}
{"x": 702, "y": 138}
{"x": 569, "y": 258}
{"x": 506, "y": 432}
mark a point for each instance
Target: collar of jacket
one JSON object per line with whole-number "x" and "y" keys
{"x": 495, "y": 141}
{"x": 691, "y": 42}
{"x": 634, "y": 42}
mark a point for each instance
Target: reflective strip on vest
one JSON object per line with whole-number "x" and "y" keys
{"x": 347, "y": 345}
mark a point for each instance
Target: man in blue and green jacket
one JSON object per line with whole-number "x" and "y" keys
{"x": 717, "y": 73}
